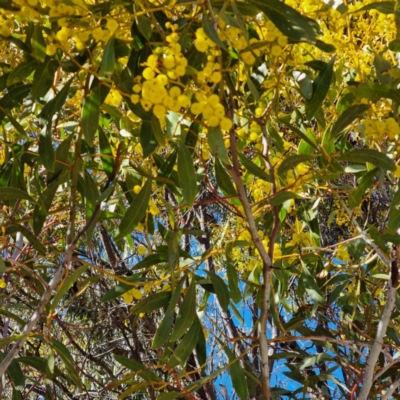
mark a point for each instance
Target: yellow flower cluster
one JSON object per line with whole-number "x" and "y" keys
{"x": 212, "y": 110}
{"x": 6, "y": 27}
{"x": 114, "y": 98}
{"x": 130, "y": 295}
{"x": 342, "y": 253}
{"x": 379, "y": 130}
{"x": 298, "y": 177}
{"x": 158, "y": 91}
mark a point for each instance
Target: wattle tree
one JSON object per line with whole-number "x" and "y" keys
{"x": 199, "y": 199}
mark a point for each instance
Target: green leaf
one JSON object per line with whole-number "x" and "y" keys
{"x": 90, "y": 116}
{"x": 68, "y": 361}
{"x": 233, "y": 281}
{"x": 337, "y": 5}
{"x": 6, "y": 341}
{"x": 253, "y": 89}
{"x": 299, "y": 133}
{"x": 321, "y": 88}
{"x": 10, "y": 193}
{"x": 136, "y": 211}
{"x": 253, "y": 168}
{"x": 237, "y": 376}
{"x": 39, "y": 363}
{"x": 371, "y": 156}
{"x": 150, "y": 260}
{"x": 308, "y": 361}
{"x": 220, "y": 289}
{"x": 292, "y": 161}
{"x": 187, "y": 174}
{"x": 46, "y": 149}
{"x": 384, "y": 7}
{"x": 16, "y": 375}
{"x": 55, "y": 104}
{"x": 216, "y": 142}
{"x": 21, "y": 72}
{"x": 170, "y": 395}
{"x": 304, "y": 82}
{"x": 186, "y": 346}
{"x": 336, "y": 293}
{"x": 67, "y": 285}
{"x": 135, "y": 366}
{"x": 210, "y": 31}
{"x": 144, "y": 26}
{"x": 38, "y": 43}
{"x": 147, "y": 138}
{"x": 348, "y": 117}
{"x": 121, "y": 288}
{"x": 164, "y": 330}
{"x": 311, "y": 286}
{"x": 394, "y": 213}
{"x": 107, "y": 157}
{"x": 374, "y": 91}
{"x": 282, "y": 197}
{"x": 382, "y": 67}
{"x": 108, "y": 61}
{"x": 326, "y": 47}
{"x": 33, "y": 240}
{"x": 186, "y": 314}
{"x": 168, "y": 166}
{"x": 91, "y": 201}
{"x": 157, "y": 131}
{"x": 289, "y": 21}
{"x": 43, "y": 79}
{"x": 15, "y": 95}
{"x": 356, "y": 195}
{"x": 152, "y": 302}
{"x": 223, "y": 179}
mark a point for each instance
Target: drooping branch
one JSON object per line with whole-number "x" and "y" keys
{"x": 382, "y": 326}
{"x": 234, "y": 170}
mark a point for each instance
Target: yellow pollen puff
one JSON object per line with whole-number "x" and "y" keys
{"x": 282, "y": 41}
{"x": 159, "y": 110}
{"x": 112, "y": 25}
{"x": 62, "y": 35}
{"x": 182, "y": 101}
{"x": 135, "y": 98}
{"x": 253, "y": 136}
{"x": 216, "y": 77}
{"x": 226, "y": 124}
{"x": 169, "y": 62}
{"x": 146, "y": 104}
{"x": 201, "y": 45}
{"x": 213, "y": 121}
{"x": 196, "y": 108}
{"x": 175, "y": 91}
{"x": 276, "y": 50}
{"x": 148, "y": 73}
{"x": 137, "y": 189}
{"x": 51, "y": 49}
{"x": 133, "y": 294}
{"x": 162, "y": 79}
{"x": 213, "y": 100}
{"x": 397, "y": 171}
{"x": 137, "y": 88}
{"x": 142, "y": 250}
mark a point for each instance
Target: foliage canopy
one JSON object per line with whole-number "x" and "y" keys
{"x": 199, "y": 199}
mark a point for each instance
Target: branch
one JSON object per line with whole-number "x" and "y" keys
{"x": 58, "y": 276}
{"x": 391, "y": 390}
{"x": 266, "y": 259}
{"x": 382, "y": 326}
